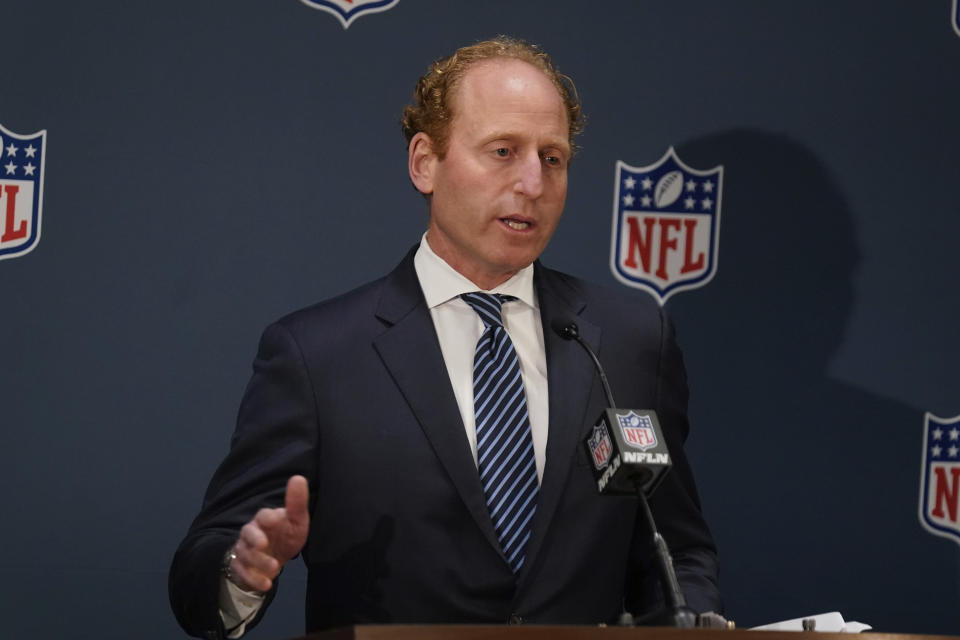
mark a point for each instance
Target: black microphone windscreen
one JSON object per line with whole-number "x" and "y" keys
{"x": 565, "y": 328}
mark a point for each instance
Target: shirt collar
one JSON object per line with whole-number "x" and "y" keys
{"x": 441, "y": 282}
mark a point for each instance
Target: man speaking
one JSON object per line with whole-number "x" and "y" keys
{"x": 418, "y": 440}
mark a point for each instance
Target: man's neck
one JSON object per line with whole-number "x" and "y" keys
{"x": 485, "y": 281}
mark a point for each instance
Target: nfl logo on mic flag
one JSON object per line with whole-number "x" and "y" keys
{"x": 21, "y": 191}
{"x": 637, "y": 431}
{"x": 600, "y": 447}
{"x": 940, "y": 477}
{"x": 666, "y": 226}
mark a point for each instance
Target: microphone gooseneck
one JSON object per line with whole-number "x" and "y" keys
{"x": 568, "y": 330}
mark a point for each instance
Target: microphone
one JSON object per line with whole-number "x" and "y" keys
{"x": 626, "y": 446}
{"x": 630, "y": 457}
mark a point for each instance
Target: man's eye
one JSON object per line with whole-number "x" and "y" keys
{"x": 502, "y": 152}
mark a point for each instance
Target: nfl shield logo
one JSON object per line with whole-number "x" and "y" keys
{"x": 940, "y": 477}
{"x": 666, "y": 226}
{"x": 21, "y": 191}
{"x": 637, "y": 431}
{"x": 601, "y": 448}
{"x": 346, "y": 11}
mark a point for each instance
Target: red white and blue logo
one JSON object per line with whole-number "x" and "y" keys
{"x": 21, "y": 191}
{"x": 601, "y": 447}
{"x": 637, "y": 431}
{"x": 346, "y": 11}
{"x": 666, "y": 226}
{"x": 940, "y": 477}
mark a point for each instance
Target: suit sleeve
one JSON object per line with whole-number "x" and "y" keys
{"x": 275, "y": 438}
{"x": 676, "y": 503}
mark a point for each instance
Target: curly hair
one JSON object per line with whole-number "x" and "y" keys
{"x": 432, "y": 111}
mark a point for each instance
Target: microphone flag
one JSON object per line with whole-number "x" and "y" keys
{"x": 627, "y": 449}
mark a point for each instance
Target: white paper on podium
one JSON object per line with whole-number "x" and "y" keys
{"x": 832, "y": 622}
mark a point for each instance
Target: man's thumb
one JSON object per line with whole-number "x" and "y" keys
{"x": 297, "y": 499}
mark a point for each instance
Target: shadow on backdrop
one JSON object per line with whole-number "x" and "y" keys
{"x": 813, "y": 484}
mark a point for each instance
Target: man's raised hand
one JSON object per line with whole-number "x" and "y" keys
{"x": 271, "y": 539}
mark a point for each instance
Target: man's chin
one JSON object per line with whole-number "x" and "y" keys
{"x": 521, "y": 260}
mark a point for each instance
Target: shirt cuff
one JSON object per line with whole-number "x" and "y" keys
{"x": 237, "y": 607}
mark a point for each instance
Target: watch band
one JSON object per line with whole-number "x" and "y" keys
{"x": 226, "y": 565}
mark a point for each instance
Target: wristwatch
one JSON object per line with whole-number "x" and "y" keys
{"x": 227, "y": 572}
{"x": 226, "y": 564}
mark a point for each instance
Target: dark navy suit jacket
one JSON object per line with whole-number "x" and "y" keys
{"x": 353, "y": 394}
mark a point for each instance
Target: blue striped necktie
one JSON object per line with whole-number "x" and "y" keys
{"x": 505, "y": 459}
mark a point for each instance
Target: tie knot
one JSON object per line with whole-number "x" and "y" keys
{"x": 488, "y": 306}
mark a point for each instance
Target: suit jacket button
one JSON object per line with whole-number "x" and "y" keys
{"x": 515, "y": 618}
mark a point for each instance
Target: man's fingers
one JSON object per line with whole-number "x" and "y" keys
{"x": 267, "y": 519}
{"x": 258, "y": 561}
{"x": 249, "y": 578}
{"x": 253, "y": 569}
{"x": 253, "y": 536}
{"x": 298, "y": 496}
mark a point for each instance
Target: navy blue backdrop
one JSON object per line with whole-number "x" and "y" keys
{"x": 210, "y": 166}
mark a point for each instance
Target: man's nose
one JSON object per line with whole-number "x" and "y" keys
{"x": 530, "y": 175}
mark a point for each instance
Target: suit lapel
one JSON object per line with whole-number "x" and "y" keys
{"x": 410, "y": 351}
{"x": 570, "y": 377}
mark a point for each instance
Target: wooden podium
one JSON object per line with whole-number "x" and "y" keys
{"x": 534, "y": 632}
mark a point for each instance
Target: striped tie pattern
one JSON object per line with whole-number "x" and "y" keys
{"x": 505, "y": 458}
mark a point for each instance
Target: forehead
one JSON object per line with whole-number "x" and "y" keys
{"x": 504, "y": 88}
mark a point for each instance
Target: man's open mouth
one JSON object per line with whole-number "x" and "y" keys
{"x": 518, "y": 225}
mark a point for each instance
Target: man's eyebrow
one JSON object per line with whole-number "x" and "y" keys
{"x": 491, "y": 136}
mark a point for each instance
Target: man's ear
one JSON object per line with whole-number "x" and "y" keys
{"x": 422, "y": 162}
